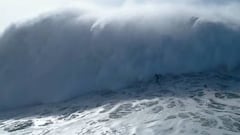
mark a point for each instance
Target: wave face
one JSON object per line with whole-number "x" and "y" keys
{"x": 62, "y": 55}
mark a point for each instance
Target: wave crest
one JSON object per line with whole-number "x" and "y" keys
{"x": 62, "y": 55}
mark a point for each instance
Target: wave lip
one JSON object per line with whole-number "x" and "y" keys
{"x": 56, "y": 57}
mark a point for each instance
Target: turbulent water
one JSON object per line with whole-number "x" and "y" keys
{"x": 157, "y": 67}
{"x": 64, "y": 54}
{"x": 186, "y": 104}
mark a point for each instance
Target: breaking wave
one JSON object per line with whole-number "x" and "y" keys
{"x": 61, "y": 55}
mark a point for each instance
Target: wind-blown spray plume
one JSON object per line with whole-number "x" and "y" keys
{"x": 56, "y": 57}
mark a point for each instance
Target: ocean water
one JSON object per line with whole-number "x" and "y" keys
{"x": 129, "y": 67}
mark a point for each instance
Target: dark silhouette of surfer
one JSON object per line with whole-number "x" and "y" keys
{"x": 157, "y": 78}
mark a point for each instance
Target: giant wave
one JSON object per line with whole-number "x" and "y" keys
{"x": 61, "y": 55}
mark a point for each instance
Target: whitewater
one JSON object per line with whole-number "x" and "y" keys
{"x": 60, "y": 55}
{"x": 126, "y": 67}
{"x": 186, "y": 104}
